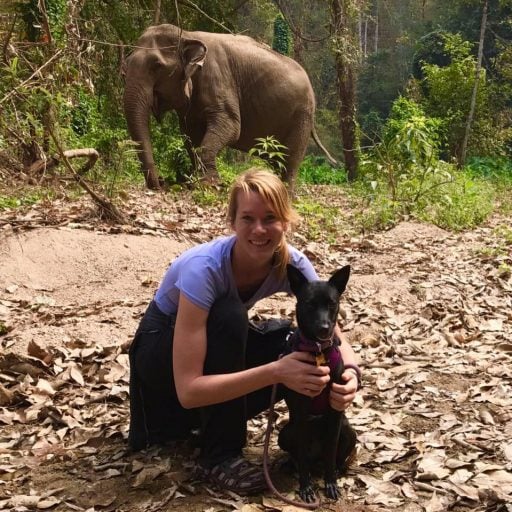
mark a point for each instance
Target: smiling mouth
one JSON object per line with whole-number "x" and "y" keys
{"x": 259, "y": 243}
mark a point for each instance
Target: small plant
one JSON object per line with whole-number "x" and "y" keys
{"x": 318, "y": 220}
{"x": 504, "y": 270}
{"x": 271, "y": 151}
{"x": 505, "y": 233}
{"x": 315, "y": 170}
{"x": 25, "y": 198}
{"x": 461, "y": 204}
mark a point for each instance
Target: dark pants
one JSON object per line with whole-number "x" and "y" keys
{"x": 233, "y": 344}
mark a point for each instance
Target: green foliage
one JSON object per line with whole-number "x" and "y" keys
{"x": 448, "y": 93}
{"x": 498, "y": 169}
{"x": 56, "y": 11}
{"x": 318, "y": 219}
{"x": 315, "y": 170}
{"x": 405, "y": 177}
{"x": 381, "y": 78}
{"x": 282, "y": 41}
{"x": 497, "y": 172}
{"x": 461, "y": 204}
{"x": 373, "y": 208}
{"x": 430, "y": 49}
{"x": 21, "y": 197}
{"x": 205, "y": 196}
{"x": 270, "y": 151}
{"x": 169, "y": 152}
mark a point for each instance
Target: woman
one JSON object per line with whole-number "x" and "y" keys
{"x": 197, "y": 362}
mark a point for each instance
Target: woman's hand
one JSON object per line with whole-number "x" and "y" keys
{"x": 342, "y": 395}
{"x": 298, "y": 372}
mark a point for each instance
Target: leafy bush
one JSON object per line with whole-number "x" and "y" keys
{"x": 271, "y": 151}
{"x": 498, "y": 169}
{"x": 318, "y": 220}
{"x": 448, "y": 90}
{"x": 315, "y": 170}
{"x": 404, "y": 176}
{"x": 282, "y": 40}
{"x": 461, "y": 204}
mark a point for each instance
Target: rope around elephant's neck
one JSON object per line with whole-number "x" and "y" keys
{"x": 266, "y": 444}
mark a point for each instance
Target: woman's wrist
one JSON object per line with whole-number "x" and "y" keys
{"x": 275, "y": 376}
{"x": 357, "y": 372}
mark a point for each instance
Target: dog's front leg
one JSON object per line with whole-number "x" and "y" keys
{"x": 330, "y": 450}
{"x": 301, "y": 408}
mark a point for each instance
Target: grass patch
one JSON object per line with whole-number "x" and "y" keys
{"x": 318, "y": 221}
{"x": 445, "y": 196}
{"x": 315, "y": 170}
{"x": 25, "y": 197}
{"x": 462, "y": 204}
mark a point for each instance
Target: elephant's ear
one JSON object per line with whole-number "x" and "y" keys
{"x": 193, "y": 53}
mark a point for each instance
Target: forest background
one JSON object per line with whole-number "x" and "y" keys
{"x": 414, "y": 97}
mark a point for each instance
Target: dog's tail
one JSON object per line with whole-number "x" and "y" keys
{"x": 268, "y": 433}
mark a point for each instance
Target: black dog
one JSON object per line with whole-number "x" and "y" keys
{"x": 316, "y": 311}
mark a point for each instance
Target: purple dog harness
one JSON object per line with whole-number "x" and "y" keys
{"x": 326, "y": 353}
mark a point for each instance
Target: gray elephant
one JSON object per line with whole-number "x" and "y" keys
{"x": 227, "y": 90}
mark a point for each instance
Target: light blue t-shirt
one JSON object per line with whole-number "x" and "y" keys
{"x": 204, "y": 274}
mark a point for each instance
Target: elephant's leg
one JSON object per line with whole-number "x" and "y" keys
{"x": 296, "y": 141}
{"x": 220, "y": 132}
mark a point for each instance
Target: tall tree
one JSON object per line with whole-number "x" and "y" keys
{"x": 344, "y": 22}
{"x": 483, "y": 26}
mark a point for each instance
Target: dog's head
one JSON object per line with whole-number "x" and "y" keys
{"x": 317, "y": 302}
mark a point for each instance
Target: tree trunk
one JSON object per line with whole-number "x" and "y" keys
{"x": 376, "y": 37}
{"x": 156, "y": 16}
{"x": 344, "y": 25}
{"x": 483, "y": 26}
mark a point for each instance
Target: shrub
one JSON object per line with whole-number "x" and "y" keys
{"x": 404, "y": 176}
{"x": 315, "y": 170}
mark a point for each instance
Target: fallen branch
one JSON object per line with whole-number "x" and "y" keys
{"x": 45, "y": 165}
{"x": 107, "y": 209}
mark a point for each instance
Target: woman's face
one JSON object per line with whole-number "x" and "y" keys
{"x": 259, "y": 230}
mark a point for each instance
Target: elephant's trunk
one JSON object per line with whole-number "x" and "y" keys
{"x": 137, "y": 107}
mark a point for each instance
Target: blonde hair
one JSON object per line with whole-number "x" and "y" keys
{"x": 273, "y": 190}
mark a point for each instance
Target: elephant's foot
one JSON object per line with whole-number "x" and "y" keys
{"x": 211, "y": 178}
{"x": 153, "y": 181}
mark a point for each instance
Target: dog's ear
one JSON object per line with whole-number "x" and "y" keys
{"x": 340, "y": 278}
{"x": 296, "y": 278}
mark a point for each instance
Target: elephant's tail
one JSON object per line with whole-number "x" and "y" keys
{"x": 332, "y": 161}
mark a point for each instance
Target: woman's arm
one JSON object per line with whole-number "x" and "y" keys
{"x": 197, "y": 390}
{"x": 342, "y": 395}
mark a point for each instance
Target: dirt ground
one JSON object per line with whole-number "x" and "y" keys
{"x": 429, "y": 313}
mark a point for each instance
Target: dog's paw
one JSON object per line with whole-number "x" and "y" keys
{"x": 307, "y": 494}
{"x": 332, "y": 491}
